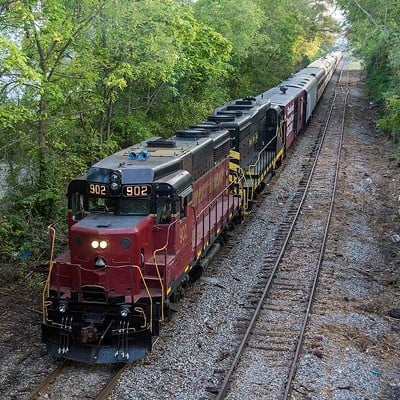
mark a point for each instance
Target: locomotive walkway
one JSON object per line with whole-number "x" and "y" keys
{"x": 281, "y": 302}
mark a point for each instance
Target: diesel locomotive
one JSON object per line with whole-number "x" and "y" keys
{"x": 142, "y": 222}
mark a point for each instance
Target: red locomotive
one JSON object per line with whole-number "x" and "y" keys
{"x": 143, "y": 220}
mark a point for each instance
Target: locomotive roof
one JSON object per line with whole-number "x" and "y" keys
{"x": 326, "y": 61}
{"x": 281, "y": 95}
{"x": 311, "y": 73}
{"x": 238, "y": 113}
{"x": 157, "y": 157}
{"x": 304, "y": 81}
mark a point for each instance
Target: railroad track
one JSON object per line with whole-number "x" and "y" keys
{"x": 280, "y": 304}
{"x": 110, "y": 375}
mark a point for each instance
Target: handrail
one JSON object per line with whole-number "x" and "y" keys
{"x": 145, "y": 287}
{"x": 107, "y": 269}
{"x": 239, "y": 178}
{"x": 214, "y": 199}
{"x": 208, "y": 208}
{"x": 165, "y": 263}
{"x": 46, "y": 288}
{"x": 253, "y": 166}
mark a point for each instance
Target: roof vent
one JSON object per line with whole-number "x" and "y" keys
{"x": 209, "y": 126}
{"x": 221, "y": 118}
{"x": 161, "y": 143}
{"x": 192, "y": 133}
{"x": 236, "y": 113}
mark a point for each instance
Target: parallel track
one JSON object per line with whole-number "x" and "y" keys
{"x": 285, "y": 293}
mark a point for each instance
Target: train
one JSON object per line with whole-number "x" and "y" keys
{"x": 143, "y": 222}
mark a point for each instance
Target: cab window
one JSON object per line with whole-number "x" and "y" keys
{"x": 164, "y": 209}
{"x": 102, "y": 204}
{"x": 77, "y": 207}
{"x": 183, "y": 203}
{"x": 120, "y": 206}
{"x": 137, "y": 206}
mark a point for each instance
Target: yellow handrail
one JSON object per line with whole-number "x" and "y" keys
{"x": 239, "y": 180}
{"x": 252, "y": 167}
{"x": 158, "y": 270}
{"x": 46, "y": 288}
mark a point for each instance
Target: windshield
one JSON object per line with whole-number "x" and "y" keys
{"x": 119, "y": 206}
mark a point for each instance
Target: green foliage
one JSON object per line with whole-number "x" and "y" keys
{"x": 269, "y": 38}
{"x": 23, "y": 232}
{"x": 156, "y": 53}
{"x": 240, "y": 22}
{"x": 7, "y": 232}
{"x": 390, "y": 122}
{"x": 374, "y": 32}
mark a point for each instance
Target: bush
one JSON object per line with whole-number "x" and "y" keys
{"x": 390, "y": 122}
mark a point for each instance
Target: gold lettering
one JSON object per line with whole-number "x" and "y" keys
{"x": 97, "y": 189}
{"x": 136, "y": 190}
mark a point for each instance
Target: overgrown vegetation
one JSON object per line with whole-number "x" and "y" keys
{"x": 80, "y": 79}
{"x": 374, "y": 33}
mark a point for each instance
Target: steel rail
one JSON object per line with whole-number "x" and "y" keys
{"x": 299, "y": 346}
{"x": 106, "y": 391}
{"x": 103, "y": 395}
{"x": 47, "y": 382}
{"x": 225, "y": 384}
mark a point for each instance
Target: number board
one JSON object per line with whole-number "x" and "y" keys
{"x": 136, "y": 190}
{"x": 98, "y": 189}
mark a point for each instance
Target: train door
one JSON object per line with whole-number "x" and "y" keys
{"x": 184, "y": 245}
{"x": 271, "y": 128}
{"x": 165, "y": 213}
{"x": 295, "y": 115}
{"x": 276, "y": 129}
{"x": 174, "y": 222}
{"x": 299, "y": 112}
{"x": 303, "y": 109}
{"x": 289, "y": 119}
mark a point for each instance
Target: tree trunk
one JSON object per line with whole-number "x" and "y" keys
{"x": 42, "y": 140}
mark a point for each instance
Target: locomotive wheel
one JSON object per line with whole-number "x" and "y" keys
{"x": 260, "y": 188}
{"x": 156, "y": 324}
{"x": 196, "y": 272}
{"x": 395, "y": 313}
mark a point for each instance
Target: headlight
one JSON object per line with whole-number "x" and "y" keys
{"x": 114, "y": 177}
{"x": 124, "y": 311}
{"x": 62, "y": 307}
{"x": 103, "y": 244}
{"x": 95, "y": 244}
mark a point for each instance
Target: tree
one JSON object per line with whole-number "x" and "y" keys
{"x": 374, "y": 33}
{"x": 155, "y": 56}
{"x": 269, "y": 38}
{"x": 40, "y": 69}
